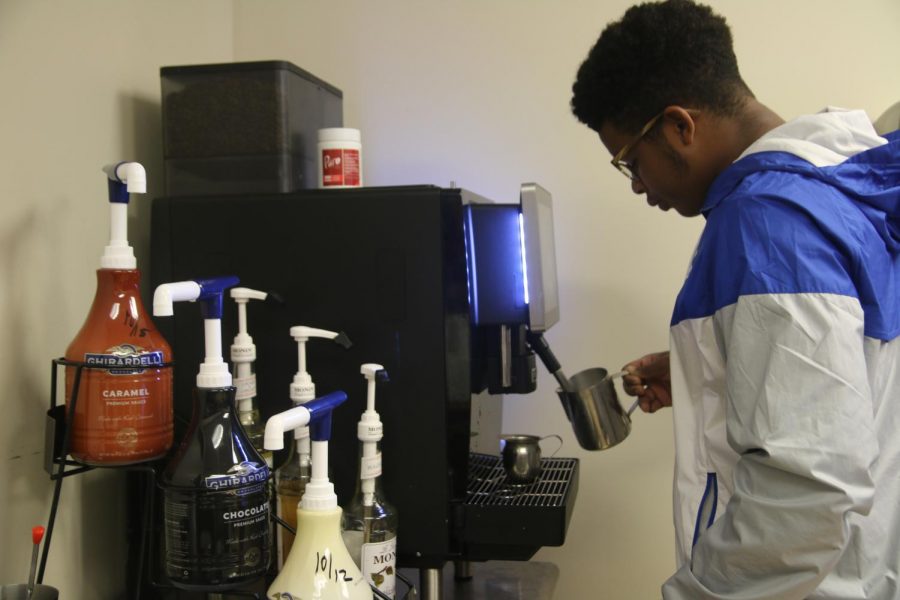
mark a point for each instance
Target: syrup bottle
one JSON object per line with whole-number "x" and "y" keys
{"x": 319, "y": 565}
{"x": 215, "y": 488}
{"x": 243, "y": 357}
{"x": 370, "y": 522}
{"x": 123, "y": 413}
{"x": 292, "y": 477}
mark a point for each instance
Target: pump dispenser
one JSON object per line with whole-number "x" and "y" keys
{"x": 293, "y": 476}
{"x": 318, "y": 565}
{"x": 123, "y": 413}
{"x": 370, "y": 522}
{"x": 243, "y": 356}
{"x": 216, "y": 498}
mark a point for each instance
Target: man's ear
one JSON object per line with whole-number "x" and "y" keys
{"x": 679, "y": 126}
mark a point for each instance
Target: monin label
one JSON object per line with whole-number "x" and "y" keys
{"x": 378, "y": 563}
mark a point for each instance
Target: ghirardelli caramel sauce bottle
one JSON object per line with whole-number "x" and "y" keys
{"x": 123, "y": 412}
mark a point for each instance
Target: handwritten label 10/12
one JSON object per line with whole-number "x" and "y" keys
{"x": 324, "y": 565}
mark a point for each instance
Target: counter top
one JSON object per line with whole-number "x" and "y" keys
{"x": 496, "y": 580}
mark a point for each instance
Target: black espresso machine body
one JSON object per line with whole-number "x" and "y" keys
{"x": 393, "y": 269}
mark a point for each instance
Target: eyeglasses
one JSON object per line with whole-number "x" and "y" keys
{"x": 624, "y": 167}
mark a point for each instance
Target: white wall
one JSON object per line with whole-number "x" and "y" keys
{"x": 80, "y": 88}
{"x": 473, "y": 91}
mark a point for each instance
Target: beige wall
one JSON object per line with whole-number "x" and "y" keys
{"x": 80, "y": 88}
{"x": 474, "y": 92}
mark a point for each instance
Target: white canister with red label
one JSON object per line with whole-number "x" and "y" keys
{"x": 340, "y": 158}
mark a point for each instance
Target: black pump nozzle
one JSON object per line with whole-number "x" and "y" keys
{"x": 343, "y": 340}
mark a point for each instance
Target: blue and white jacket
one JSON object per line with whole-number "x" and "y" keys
{"x": 785, "y": 366}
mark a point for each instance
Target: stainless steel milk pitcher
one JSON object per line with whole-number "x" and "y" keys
{"x": 593, "y": 408}
{"x": 589, "y": 399}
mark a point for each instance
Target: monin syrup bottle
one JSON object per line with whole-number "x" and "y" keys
{"x": 369, "y": 522}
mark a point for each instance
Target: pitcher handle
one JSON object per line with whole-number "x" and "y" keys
{"x": 553, "y": 435}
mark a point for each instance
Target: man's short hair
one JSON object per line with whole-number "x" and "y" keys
{"x": 658, "y": 54}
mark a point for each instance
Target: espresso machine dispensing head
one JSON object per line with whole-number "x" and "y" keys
{"x": 513, "y": 243}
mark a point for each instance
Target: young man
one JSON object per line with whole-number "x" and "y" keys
{"x": 784, "y": 363}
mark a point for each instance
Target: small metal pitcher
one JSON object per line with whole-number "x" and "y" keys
{"x": 593, "y": 408}
{"x": 19, "y": 591}
{"x": 522, "y": 457}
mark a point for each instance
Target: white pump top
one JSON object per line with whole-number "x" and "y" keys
{"x": 278, "y": 424}
{"x": 243, "y": 350}
{"x": 370, "y": 431}
{"x": 118, "y": 254}
{"x": 213, "y": 370}
{"x": 319, "y": 491}
{"x": 370, "y": 428}
{"x": 303, "y": 389}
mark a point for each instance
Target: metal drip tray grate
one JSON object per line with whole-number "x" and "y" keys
{"x": 487, "y": 485}
{"x": 500, "y": 521}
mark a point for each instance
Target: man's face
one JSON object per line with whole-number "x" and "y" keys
{"x": 661, "y": 170}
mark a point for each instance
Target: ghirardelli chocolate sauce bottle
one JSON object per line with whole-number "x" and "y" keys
{"x": 215, "y": 488}
{"x": 216, "y": 501}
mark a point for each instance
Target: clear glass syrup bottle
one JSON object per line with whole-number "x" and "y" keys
{"x": 369, "y": 522}
{"x": 370, "y": 534}
{"x": 248, "y": 412}
{"x": 294, "y": 475}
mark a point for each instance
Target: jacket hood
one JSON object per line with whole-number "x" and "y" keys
{"x": 837, "y": 147}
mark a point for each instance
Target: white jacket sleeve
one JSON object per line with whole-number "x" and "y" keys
{"x": 799, "y": 414}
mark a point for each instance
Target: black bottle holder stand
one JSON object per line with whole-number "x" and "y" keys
{"x": 57, "y": 438}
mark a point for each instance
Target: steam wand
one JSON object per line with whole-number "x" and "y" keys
{"x": 542, "y": 349}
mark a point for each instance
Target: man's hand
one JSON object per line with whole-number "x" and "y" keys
{"x": 648, "y": 378}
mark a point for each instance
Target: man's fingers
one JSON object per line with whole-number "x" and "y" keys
{"x": 633, "y": 385}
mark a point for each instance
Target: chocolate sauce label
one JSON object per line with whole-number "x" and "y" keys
{"x": 216, "y": 537}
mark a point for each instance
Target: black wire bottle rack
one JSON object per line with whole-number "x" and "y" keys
{"x": 57, "y": 440}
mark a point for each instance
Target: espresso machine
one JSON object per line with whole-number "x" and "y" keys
{"x": 441, "y": 287}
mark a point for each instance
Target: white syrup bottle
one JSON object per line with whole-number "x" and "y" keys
{"x": 319, "y": 565}
{"x": 291, "y": 478}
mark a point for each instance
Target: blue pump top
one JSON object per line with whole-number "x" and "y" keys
{"x": 118, "y": 191}
{"x": 320, "y": 415}
{"x": 211, "y": 293}
{"x": 124, "y": 177}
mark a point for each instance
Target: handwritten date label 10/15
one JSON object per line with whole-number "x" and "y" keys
{"x": 324, "y": 565}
